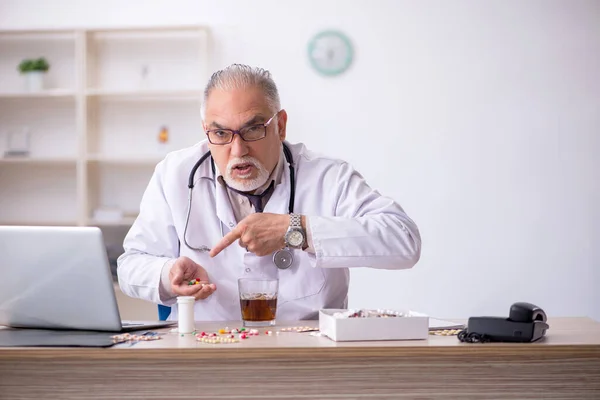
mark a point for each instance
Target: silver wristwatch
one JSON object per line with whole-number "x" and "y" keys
{"x": 295, "y": 235}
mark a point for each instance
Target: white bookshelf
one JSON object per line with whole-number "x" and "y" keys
{"x": 94, "y": 128}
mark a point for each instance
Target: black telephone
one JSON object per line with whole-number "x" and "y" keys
{"x": 526, "y": 323}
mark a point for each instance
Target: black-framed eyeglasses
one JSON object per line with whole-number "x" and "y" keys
{"x": 248, "y": 133}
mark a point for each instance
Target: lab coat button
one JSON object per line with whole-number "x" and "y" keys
{"x": 231, "y": 224}
{"x": 248, "y": 270}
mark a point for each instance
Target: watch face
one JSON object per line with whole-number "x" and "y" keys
{"x": 295, "y": 238}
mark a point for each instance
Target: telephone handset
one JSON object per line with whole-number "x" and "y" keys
{"x": 526, "y": 323}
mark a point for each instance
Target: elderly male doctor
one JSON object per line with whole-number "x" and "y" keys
{"x": 338, "y": 221}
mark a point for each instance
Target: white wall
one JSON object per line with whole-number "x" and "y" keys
{"x": 488, "y": 116}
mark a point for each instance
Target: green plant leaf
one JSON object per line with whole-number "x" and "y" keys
{"x": 31, "y": 64}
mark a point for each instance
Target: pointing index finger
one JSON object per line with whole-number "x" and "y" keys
{"x": 228, "y": 239}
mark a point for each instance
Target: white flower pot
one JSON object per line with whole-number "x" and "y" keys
{"x": 34, "y": 81}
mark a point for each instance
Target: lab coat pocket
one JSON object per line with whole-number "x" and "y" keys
{"x": 301, "y": 280}
{"x": 259, "y": 267}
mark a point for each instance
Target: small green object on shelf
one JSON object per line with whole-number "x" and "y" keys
{"x": 30, "y": 65}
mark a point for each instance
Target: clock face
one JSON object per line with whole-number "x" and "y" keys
{"x": 330, "y": 52}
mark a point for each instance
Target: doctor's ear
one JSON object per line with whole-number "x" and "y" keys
{"x": 281, "y": 124}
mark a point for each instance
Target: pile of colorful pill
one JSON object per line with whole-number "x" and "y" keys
{"x": 194, "y": 282}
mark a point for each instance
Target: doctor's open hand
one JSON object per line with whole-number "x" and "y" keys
{"x": 259, "y": 233}
{"x": 182, "y": 272}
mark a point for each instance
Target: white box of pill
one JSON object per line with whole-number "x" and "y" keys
{"x": 410, "y": 325}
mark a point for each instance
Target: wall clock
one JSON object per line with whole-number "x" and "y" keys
{"x": 330, "y": 52}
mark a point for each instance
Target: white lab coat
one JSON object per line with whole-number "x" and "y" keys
{"x": 351, "y": 224}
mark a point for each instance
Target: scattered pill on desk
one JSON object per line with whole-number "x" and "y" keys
{"x": 445, "y": 332}
{"x": 299, "y": 329}
{"x": 217, "y": 340}
{"x": 127, "y": 337}
{"x": 222, "y": 331}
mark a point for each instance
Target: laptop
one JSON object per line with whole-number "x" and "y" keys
{"x": 59, "y": 278}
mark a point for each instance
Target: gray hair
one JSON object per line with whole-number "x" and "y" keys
{"x": 239, "y": 76}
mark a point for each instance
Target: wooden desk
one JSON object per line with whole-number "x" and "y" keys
{"x": 566, "y": 365}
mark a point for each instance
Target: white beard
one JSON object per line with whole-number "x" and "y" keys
{"x": 246, "y": 184}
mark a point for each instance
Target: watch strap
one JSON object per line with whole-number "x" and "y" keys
{"x": 295, "y": 221}
{"x": 295, "y": 225}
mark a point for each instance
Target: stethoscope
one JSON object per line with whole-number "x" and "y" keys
{"x": 282, "y": 258}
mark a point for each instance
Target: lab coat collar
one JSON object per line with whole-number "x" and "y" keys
{"x": 224, "y": 209}
{"x": 205, "y": 170}
{"x": 279, "y": 201}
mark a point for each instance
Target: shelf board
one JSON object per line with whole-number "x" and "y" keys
{"x": 38, "y": 34}
{"x": 124, "y": 160}
{"x": 39, "y": 223}
{"x": 51, "y": 93}
{"x": 148, "y": 34}
{"x": 125, "y": 221}
{"x": 39, "y": 160}
{"x": 166, "y": 94}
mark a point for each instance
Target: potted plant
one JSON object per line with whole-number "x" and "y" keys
{"x": 34, "y": 71}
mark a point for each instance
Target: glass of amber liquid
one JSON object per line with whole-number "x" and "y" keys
{"x": 258, "y": 301}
